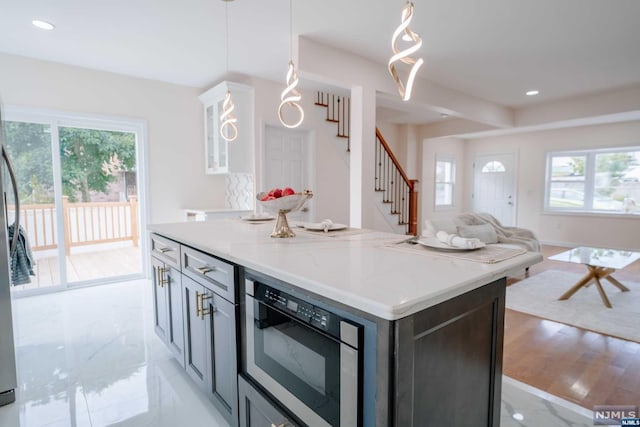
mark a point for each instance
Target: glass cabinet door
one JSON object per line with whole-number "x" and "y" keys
{"x": 216, "y": 147}
{"x": 223, "y": 157}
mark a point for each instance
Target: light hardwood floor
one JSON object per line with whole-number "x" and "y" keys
{"x": 89, "y": 265}
{"x": 583, "y": 367}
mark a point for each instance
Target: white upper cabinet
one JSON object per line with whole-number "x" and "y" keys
{"x": 222, "y": 156}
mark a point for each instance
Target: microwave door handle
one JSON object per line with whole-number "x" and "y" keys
{"x": 349, "y": 371}
{"x": 14, "y": 182}
{"x": 348, "y": 386}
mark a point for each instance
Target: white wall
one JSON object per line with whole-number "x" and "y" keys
{"x": 453, "y": 148}
{"x": 574, "y": 229}
{"x": 173, "y": 114}
{"x": 330, "y": 179}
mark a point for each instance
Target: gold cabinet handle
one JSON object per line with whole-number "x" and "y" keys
{"x": 205, "y": 270}
{"x": 198, "y": 309}
{"x": 161, "y": 280}
{"x": 204, "y": 311}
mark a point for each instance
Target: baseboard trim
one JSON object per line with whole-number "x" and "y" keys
{"x": 560, "y": 244}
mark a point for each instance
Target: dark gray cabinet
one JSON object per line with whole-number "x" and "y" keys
{"x": 167, "y": 307}
{"x": 256, "y": 410}
{"x": 448, "y": 367}
{"x": 211, "y": 337}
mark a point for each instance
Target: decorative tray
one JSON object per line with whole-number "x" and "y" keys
{"x": 433, "y": 242}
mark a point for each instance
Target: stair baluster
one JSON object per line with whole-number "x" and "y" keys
{"x": 397, "y": 189}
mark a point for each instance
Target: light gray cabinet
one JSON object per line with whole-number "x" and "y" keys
{"x": 167, "y": 306}
{"x": 256, "y": 410}
{"x": 160, "y": 306}
{"x": 224, "y": 387}
{"x": 195, "y": 333}
{"x": 210, "y": 327}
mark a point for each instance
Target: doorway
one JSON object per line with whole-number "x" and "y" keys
{"x": 494, "y": 186}
{"x": 287, "y": 163}
{"x": 79, "y": 185}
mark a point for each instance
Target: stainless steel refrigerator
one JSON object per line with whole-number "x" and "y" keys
{"x": 8, "y": 381}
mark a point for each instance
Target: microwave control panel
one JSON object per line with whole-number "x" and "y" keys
{"x": 298, "y": 308}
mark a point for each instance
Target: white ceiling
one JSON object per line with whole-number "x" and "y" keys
{"x": 492, "y": 49}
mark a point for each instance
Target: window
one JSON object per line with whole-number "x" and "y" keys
{"x": 603, "y": 181}
{"x": 493, "y": 166}
{"x": 445, "y": 181}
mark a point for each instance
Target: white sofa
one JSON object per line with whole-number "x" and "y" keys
{"x": 484, "y": 227}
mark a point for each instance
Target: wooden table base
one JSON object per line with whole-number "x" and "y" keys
{"x": 595, "y": 274}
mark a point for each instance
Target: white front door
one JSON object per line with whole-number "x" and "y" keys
{"x": 494, "y": 186}
{"x": 287, "y": 164}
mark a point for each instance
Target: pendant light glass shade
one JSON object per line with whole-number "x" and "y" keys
{"x": 228, "y": 129}
{"x": 290, "y": 96}
{"x": 404, "y": 56}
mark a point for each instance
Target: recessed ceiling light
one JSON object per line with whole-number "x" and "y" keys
{"x": 444, "y": 115}
{"x": 44, "y": 25}
{"x": 518, "y": 416}
{"x": 532, "y": 92}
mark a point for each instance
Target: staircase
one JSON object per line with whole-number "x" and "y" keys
{"x": 396, "y": 190}
{"x": 338, "y": 111}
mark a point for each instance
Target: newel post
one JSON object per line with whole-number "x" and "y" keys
{"x": 413, "y": 207}
{"x": 66, "y": 225}
{"x": 133, "y": 202}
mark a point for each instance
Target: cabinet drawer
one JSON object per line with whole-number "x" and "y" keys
{"x": 256, "y": 410}
{"x": 209, "y": 271}
{"x": 165, "y": 250}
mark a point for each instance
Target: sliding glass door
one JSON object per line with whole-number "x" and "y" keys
{"x": 78, "y": 179}
{"x": 30, "y": 148}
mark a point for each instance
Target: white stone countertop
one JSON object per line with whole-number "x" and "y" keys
{"x": 357, "y": 269}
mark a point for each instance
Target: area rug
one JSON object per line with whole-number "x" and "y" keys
{"x": 538, "y": 295}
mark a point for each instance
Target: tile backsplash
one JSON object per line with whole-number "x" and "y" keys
{"x": 240, "y": 192}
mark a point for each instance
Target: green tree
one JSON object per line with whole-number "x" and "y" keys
{"x": 91, "y": 158}
{"x": 614, "y": 163}
{"x": 577, "y": 163}
{"x": 29, "y": 146}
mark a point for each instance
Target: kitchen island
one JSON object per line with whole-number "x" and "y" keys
{"x": 432, "y": 324}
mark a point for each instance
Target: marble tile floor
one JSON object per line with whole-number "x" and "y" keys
{"x": 89, "y": 357}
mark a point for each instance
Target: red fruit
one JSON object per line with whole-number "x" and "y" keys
{"x": 264, "y": 198}
{"x": 270, "y": 193}
{"x": 277, "y": 193}
{"x": 270, "y": 198}
{"x": 288, "y": 191}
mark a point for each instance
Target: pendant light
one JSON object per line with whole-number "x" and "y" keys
{"x": 404, "y": 55}
{"x": 290, "y": 95}
{"x": 228, "y": 128}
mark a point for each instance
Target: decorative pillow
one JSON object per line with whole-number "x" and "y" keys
{"x": 434, "y": 225}
{"x": 485, "y": 232}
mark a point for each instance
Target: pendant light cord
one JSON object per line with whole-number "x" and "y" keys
{"x": 291, "y": 30}
{"x": 226, "y": 32}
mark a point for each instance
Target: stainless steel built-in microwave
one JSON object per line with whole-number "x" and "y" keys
{"x": 305, "y": 356}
